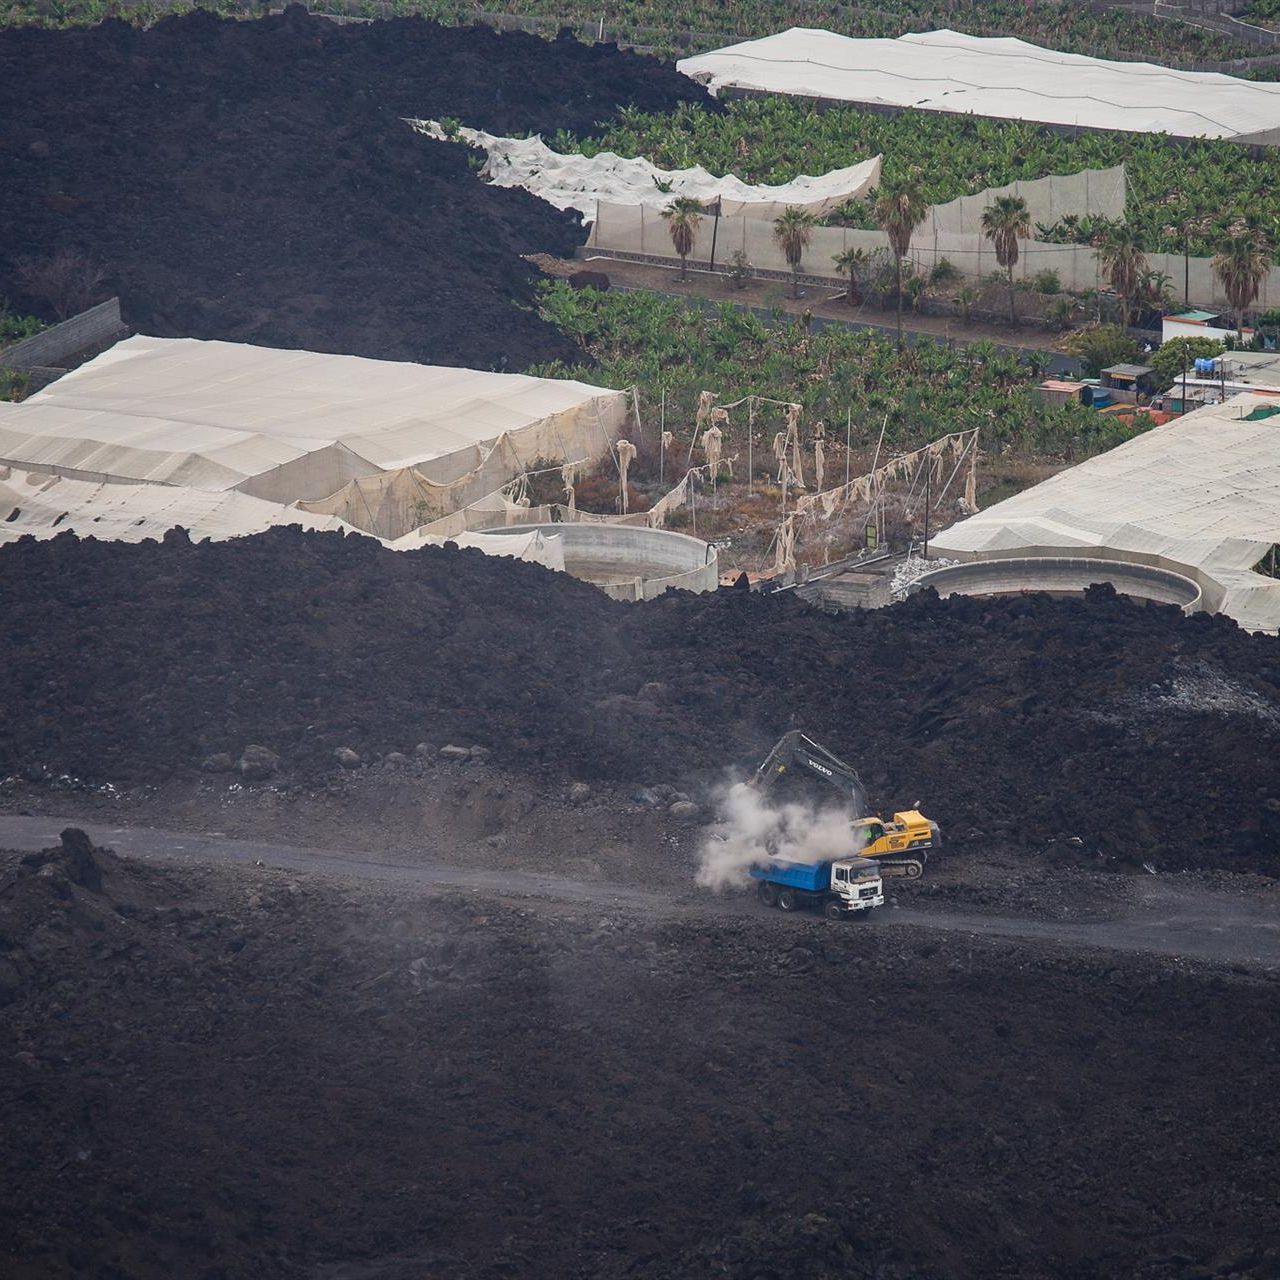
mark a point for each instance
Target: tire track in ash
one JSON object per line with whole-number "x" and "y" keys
{"x": 1195, "y": 925}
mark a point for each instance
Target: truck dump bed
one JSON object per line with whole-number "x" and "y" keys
{"x": 813, "y": 876}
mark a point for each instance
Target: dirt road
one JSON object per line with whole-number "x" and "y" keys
{"x": 1172, "y": 918}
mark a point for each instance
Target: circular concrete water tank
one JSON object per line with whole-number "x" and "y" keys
{"x": 1061, "y": 576}
{"x": 630, "y": 562}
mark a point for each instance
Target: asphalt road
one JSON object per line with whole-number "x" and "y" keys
{"x": 1173, "y": 919}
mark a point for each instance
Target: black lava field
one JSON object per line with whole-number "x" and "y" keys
{"x": 1143, "y": 735}
{"x": 256, "y": 181}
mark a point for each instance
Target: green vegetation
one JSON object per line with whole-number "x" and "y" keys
{"x": 1262, "y": 11}
{"x": 683, "y": 216}
{"x": 1100, "y": 346}
{"x": 672, "y": 350}
{"x": 680, "y": 27}
{"x": 792, "y": 232}
{"x": 1172, "y": 357}
{"x": 1004, "y": 222}
{"x": 1241, "y": 265}
{"x": 14, "y": 328}
{"x": 1181, "y": 196}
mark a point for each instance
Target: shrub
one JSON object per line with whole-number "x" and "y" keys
{"x": 944, "y": 272}
{"x": 1102, "y": 345}
{"x": 1047, "y": 282}
{"x": 1170, "y": 357}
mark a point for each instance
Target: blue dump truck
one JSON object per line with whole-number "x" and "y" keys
{"x": 839, "y": 886}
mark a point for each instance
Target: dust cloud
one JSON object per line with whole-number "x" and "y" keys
{"x": 751, "y": 829}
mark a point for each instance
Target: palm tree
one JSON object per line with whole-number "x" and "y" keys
{"x": 899, "y": 210}
{"x": 1121, "y": 256}
{"x": 851, "y": 263}
{"x": 792, "y": 230}
{"x": 684, "y": 216}
{"x": 1241, "y": 265}
{"x": 1004, "y": 222}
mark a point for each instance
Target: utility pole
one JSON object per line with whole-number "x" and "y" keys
{"x": 928, "y": 497}
{"x": 662, "y": 437}
{"x": 848, "y": 442}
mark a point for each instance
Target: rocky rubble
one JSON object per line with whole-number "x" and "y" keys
{"x": 1031, "y": 723}
{"x": 255, "y": 181}
{"x": 253, "y": 1074}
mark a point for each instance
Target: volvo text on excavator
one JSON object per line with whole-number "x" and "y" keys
{"x": 899, "y": 845}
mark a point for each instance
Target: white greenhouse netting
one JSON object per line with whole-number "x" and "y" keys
{"x": 1199, "y": 496}
{"x": 291, "y": 425}
{"x": 1002, "y": 78}
{"x": 43, "y": 506}
{"x": 581, "y": 182}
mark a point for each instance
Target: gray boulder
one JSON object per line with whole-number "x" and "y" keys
{"x": 347, "y": 758}
{"x": 257, "y": 764}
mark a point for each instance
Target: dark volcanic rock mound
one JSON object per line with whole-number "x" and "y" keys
{"x": 1094, "y": 726}
{"x": 256, "y": 181}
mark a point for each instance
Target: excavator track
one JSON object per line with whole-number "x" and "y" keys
{"x": 899, "y": 867}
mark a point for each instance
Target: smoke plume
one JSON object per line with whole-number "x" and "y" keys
{"x": 752, "y": 830}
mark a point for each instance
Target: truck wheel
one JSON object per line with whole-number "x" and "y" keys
{"x": 834, "y": 911}
{"x": 768, "y": 894}
{"x": 787, "y": 900}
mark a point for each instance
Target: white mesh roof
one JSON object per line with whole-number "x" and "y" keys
{"x": 1003, "y": 78}
{"x": 41, "y": 506}
{"x": 1200, "y": 495}
{"x": 44, "y": 505}
{"x": 580, "y": 182}
{"x": 283, "y": 425}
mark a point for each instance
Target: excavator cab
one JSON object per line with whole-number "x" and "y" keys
{"x": 901, "y": 845}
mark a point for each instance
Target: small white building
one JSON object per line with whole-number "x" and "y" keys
{"x": 1196, "y": 323}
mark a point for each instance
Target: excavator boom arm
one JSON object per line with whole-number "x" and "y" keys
{"x": 795, "y": 750}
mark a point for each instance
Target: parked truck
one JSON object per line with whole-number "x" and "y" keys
{"x": 840, "y": 886}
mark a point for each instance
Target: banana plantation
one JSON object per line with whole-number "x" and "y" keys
{"x": 677, "y": 29}
{"x": 1183, "y": 197}
{"x": 671, "y": 351}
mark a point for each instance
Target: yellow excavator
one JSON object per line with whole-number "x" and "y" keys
{"x": 900, "y": 845}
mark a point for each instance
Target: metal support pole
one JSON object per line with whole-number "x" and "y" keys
{"x": 662, "y": 437}
{"x": 848, "y": 442}
{"x": 751, "y": 431}
{"x": 928, "y": 495}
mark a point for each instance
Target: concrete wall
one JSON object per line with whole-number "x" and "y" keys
{"x": 628, "y": 562}
{"x": 55, "y": 347}
{"x": 631, "y": 229}
{"x": 1062, "y": 575}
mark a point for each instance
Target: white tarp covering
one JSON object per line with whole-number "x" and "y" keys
{"x": 1002, "y": 78}
{"x": 289, "y": 425}
{"x": 1200, "y": 496}
{"x": 41, "y": 506}
{"x": 535, "y": 546}
{"x": 580, "y": 182}
{"x": 44, "y": 506}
